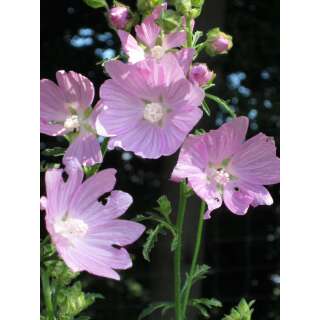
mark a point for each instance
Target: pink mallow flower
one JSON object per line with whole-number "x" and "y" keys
{"x": 200, "y": 74}
{"x": 66, "y": 108}
{"x": 87, "y": 233}
{"x": 148, "y": 107}
{"x": 221, "y": 165}
{"x": 119, "y": 17}
{"x": 150, "y": 43}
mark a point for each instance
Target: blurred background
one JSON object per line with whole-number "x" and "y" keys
{"x": 242, "y": 251}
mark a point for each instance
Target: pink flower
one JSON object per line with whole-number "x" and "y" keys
{"x": 148, "y": 34}
{"x": 119, "y": 17}
{"x": 222, "y": 165}
{"x": 66, "y": 108}
{"x": 149, "y": 107}
{"x": 200, "y": 74}
{"x": 88, "y": 234}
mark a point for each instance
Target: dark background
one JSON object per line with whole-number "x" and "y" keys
{"x": 242, "y": 251}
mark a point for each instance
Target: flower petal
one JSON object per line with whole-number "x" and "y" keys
{"x": 256, "y": 161}
{"x": 52, "y": 108}
{"x": 77, "y": 89}
{"x": 60, "y": 193}
{"x": 206, "y": 191}
{"x": 184, "y": 58}
{"x": 86, "y": 149}
{"x": 174, "y": 39}
{"x": 120, "y": 112}
{"x": 130, "y": 47}
{"x": 89, "y": 192}
{"x": 148, "y": 31}
{"x": 226, "y": 141}
{"x": 116, "y": 232}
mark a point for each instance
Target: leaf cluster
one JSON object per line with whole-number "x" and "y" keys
{"x": 242, "y": 311}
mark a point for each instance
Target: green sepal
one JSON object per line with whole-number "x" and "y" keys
{"x": 95, "y": 4}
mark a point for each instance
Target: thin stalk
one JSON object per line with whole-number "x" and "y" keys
{"x": 47, "y": 294}
{"x": 189, "y": 32}
{"x": 177, "y": 254}
{"x": 194, "y": 258}
{"x": 222, "y": 103}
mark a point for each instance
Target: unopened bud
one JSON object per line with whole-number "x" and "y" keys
{"x": 145, "y": 7}
{"x": 218, "y": 42}
{"x": 119, "y": 17}
{"x": 184, "y": 7}
{"x": 200, "y": 74}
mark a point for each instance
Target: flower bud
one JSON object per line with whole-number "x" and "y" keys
{"x": 183, "y": 6}
{"x": 200, "y": 74}
{"x": 218, "y": 42}
{"x": 169, "y": 21}
{"x": 145, "y": 7}
{"x": 119, "y": 17}
{"x": 197, "y": 3}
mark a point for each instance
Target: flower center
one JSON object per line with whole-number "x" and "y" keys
{"x": 70, "y": 228}
{"x": 221, "y": 176}
{"x": 72, "y": 122}
{"x": 154, "y": 112}
{"x": 157, "y": 52}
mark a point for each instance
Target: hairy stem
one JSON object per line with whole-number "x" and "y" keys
{"x": 194, "y": 258}
{"x": 47, "y": 294}
{"x": 177, "y": 255}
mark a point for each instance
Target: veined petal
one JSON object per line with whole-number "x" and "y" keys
{"x": 226, "y": 141}
{"x": 174, "y": 39}
{"x": 119, "y": 232}
{"x": 52, "y": 108}
{"x": 184, "y": 57}
{"x": 86, "y": 149}
{"x": 89, "y": 192}
{"x": 148, "y": 31}
{"x": 130, "y": 47}
{"x": 77, "y": 89}
{"x": 256, "y": 161}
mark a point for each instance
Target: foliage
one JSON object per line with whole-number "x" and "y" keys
{"x": 242, "y": 311}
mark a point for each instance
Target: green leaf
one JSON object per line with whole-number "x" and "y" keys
{"x": 151, "y": 240}
{"x": 205, "y": 304}
{"x": 206, "y": 108}
{"x": 165, "y": 207}
{"x": 155, "y": 306}
{"x": 222, "y": 103}
{"x": 59, "y": 271}
{"x": 95, "y": 4}
{"x": 200, "y": 273}
{"x": 54, "y": 152}
{"x": 72, "y": 300}
{"x": 174, "y": 243}
{"x": 44, "y": 166}
{"x": 242, "y": 311}
{"x": 209, "y": 303}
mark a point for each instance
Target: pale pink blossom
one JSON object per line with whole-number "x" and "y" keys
{"x": 87, "y": 234}
{"x": 149, "y": 43}
{"x": 221, "y": 165}
{"x": 66, "y": 108}
{"x": 119, "y": 17}
{"x": 149, "y": 106}
{"x": 200, "y": 74}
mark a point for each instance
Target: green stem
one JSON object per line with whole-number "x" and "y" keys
{"x": 189, "y": 32}
{"x": 194, "y": 258}
{"x": 222, "y": 103}
{"x": 47, "y": 294}
{"x": 177, "y": 255}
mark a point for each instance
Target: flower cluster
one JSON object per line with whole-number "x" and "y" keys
{"x": 149, "y": 106}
